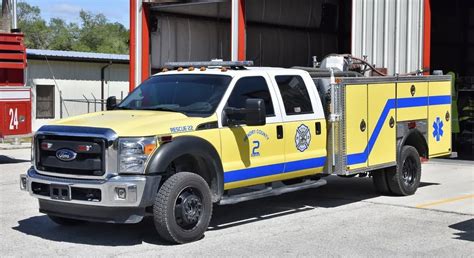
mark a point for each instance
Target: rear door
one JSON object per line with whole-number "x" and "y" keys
{"x": 304, "y": 125}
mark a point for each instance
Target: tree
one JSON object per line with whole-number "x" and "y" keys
{"x": 98, "y": 35}
{"x": 94, "y": 33}
{"x": 6, "y": 16}
{"x": 37, "y": 33}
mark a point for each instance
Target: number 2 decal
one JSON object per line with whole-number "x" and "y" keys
{"x": 13, "y": 118}
{"x": 255, "y": 152}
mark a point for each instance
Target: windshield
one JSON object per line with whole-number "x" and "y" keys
{"x": 191, "y": 94}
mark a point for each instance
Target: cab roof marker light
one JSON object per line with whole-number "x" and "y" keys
{"x": 164, "y": 70}
{"x": 202, "y": 69}
{"x": 191, "y": 68}
{"x": 180, "y": 69}
{"x": 174, "y": 65}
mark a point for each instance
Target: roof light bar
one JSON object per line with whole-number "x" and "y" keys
{"x": 209, "y": 64}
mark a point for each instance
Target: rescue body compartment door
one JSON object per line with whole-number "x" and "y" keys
{"x": 356, "y": 125}
{"x": 382, "y": 124}
{"x": 439, "y": 118}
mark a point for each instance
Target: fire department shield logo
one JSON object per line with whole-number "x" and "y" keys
{"x": 302, "y": 137}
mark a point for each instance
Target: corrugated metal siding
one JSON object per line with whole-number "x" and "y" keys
{"x": 389, "y": 32}
{"x": 279, "y": 32}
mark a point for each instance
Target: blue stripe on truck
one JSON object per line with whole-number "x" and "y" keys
{"x": 274, "y": 169}
{"x": 361, "y": 157}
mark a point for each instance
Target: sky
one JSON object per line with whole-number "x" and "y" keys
{"x": 114, "y": 10}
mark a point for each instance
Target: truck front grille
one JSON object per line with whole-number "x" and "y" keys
{"x": 79, "y": 156}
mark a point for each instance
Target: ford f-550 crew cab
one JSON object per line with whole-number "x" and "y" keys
{"x": 188, "y": 136}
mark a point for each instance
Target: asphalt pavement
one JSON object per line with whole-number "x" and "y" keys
{"x": 344, "y": 218}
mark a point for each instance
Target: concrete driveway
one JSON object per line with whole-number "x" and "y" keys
{"x": 343, "y": 218}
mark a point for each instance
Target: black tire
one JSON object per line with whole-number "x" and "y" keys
{"x": 65, "y": 221}
{"x": 380, "y": 182}
{"x": 183, "y": 208}
{"x": 404, "y": 179}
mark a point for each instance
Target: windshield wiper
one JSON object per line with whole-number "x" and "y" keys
{"x": 161, "y": 109}
{"x": 123, "y": 108}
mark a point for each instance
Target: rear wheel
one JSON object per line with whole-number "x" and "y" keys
{"x": 183, "y": 208}
{"x": 65, "y": 221}
{"x": 380, "y": 182}
{"x": 404, "y": 179}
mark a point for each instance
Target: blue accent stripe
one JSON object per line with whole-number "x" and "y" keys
{"x": 274, "y": 169}
{"x": 357, "y": 158}
{"x": 439, "y": 100}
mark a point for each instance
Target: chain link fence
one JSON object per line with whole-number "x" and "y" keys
{"x": 74, "y": 107}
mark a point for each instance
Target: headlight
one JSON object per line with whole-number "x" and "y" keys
{"x": 134, "y": 152}
{"x": 33, "y": 150}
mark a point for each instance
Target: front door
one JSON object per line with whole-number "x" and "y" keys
{"x": 252, "y": 155}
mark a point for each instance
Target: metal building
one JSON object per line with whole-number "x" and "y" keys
{"x": 67, "y": 83}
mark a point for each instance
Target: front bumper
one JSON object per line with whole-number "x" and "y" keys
{"x": 93, "y": 199}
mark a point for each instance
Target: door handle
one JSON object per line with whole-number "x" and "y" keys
{"x": 279, "y": 131}
{"x": 317, "y": 126}
{"x": 391, "y": 123}
{"x": 363, "y": 125}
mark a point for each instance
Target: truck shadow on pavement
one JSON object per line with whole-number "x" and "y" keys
{"x": 338, "y": 192}
{"x": 8, "y": 160}
{"x": 101, "y": 234}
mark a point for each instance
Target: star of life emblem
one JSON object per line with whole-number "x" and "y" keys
{"x": 302, "y": 137}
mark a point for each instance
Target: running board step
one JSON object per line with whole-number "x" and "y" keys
{"x": 269, "y": 191}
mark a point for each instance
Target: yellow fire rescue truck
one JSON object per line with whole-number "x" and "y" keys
{"x": 189, "y": 136}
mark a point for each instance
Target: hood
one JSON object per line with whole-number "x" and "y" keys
{"x": 132, "y": 123}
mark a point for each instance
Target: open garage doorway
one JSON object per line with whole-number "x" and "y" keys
{"x": 452, "y": 50}
{"x": 278, "y": 33}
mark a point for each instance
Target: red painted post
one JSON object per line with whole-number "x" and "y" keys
{"x": 132, "y": 66}
{"x": 242, "y": 41}
{"x": 145, "y": 42}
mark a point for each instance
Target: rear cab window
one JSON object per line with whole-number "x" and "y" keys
{"x": 295, "y": 96}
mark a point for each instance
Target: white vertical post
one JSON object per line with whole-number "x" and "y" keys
{"x": 355, "y": 3}
{"x": 385, "y": 34}
{"x": 364, "y": 27}
{"x": 420, "y": 34}
{"x": 374, "y": 33}
{"x": 14, "y": 18}
{"x": 235, "y": 30}
{"x": 409, "y": 36}
{"x": 397, "y": 36}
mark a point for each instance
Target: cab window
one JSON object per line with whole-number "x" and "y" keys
{"x": 294, "y": 94}
{"x": 254, "y": 88}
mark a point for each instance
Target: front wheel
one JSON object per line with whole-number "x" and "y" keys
{"x": 404, "y": 179}
{"x": 183, "y": 208}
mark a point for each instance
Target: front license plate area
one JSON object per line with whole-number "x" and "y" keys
{"x": 60, "y": 192}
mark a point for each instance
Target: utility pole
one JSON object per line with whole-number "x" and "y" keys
{"x": 6, "y": 19}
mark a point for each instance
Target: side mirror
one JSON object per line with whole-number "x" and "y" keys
{"x": 111, "y": 103}
{"x": 255, "y": 112}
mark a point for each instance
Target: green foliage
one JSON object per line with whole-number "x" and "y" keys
{"x": 94, "y": 33}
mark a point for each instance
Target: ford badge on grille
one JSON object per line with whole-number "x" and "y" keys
{"x": 66, "y": 154}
